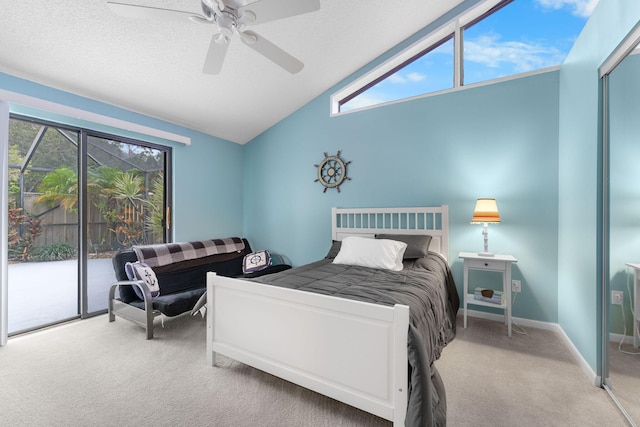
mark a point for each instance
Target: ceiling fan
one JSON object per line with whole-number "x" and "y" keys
{"x": 231, "y": 17}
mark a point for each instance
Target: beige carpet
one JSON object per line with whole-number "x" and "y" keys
{"x": 525, "y": 380}
{"x": 95, "y": 373}
{"x": 624, "y": 373}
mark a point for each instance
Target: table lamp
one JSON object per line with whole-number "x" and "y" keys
{"x": 486, "y": 211}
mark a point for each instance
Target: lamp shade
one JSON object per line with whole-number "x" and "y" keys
{"x": 486, "y": 211}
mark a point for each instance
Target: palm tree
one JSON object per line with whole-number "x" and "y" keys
{"x": 128, "y": 191}
{"x": 60, "y": 187}
{"x": 118, "y": 195}
{"x": 129, "y": 186}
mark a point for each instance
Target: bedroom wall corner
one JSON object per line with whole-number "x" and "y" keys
{"x": 580, "y": 181}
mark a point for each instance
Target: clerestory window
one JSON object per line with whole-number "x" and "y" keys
{"x": 430, "y": 70}
{"x": 494, "y": 40}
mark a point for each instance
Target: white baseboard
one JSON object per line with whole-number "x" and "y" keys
{"x": 516, "y": 320}
{"x": 596, "y": 380}
{"x": 586, "y": 368}
{"x": 619, "y": 337}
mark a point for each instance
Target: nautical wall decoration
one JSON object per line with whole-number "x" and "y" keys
{"x": 332, "y": 171}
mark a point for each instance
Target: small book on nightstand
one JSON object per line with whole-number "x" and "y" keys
{"x": 489, "y": 295}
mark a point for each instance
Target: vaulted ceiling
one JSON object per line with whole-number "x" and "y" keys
{"x": 154, "y": 67}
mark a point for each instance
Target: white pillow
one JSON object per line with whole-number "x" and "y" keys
{"x": 380, "y": 253}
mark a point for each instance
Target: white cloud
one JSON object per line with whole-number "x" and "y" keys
{"x": 412, "y": 77}
{"x": 396, "y": 78}
{"x": 490, "y": 51}
{"x": 416, "y": 77}
{"x": 582, "y": 8}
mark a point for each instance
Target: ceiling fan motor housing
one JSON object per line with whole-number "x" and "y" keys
{"x": 227, "y": 23}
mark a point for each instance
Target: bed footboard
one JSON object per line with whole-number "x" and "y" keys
{"x": 351, "y": 351}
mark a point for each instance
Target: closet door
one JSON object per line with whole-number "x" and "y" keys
{"x": 622, "y": 314}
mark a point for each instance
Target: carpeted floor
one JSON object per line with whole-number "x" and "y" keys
{"x": 624, "y": 373}
{"x": 95, "y": 373}
{"x": 526, "y": 380}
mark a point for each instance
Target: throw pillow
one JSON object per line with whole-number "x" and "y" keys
{"x": 256, "y": 261}
{"x": 141, "y": 271}
{"x": 374, "y": 253}
{"x": 417, "y": 244}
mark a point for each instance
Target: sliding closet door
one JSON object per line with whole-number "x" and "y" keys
{"x": 42, "y": 225}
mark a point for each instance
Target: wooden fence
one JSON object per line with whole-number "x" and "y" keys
{"x": 59, "y": 225}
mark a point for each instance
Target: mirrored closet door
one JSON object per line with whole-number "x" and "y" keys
{"x": 621, "y": 354}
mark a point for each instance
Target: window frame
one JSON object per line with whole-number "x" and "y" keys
{"x": 398, "y": 67}
{"x": 83, "y": 134}
{"x": 452, "y": 29}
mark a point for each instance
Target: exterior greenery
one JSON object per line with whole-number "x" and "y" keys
{"x": 55, "y": 252}
{"x": 23, "y": 231}
{"x": 125, "y": 188}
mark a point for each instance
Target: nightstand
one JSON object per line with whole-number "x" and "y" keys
{"x": 499, "y": 263}
{"x": 636, "y": 301}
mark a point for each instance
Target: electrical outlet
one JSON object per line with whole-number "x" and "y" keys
{"x": 516, "y": 286}
{"x": 616, "y": 297}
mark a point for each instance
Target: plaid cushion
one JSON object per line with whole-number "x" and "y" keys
{"x": 168, "y": 253}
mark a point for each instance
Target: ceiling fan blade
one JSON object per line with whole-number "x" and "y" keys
{"x": 146, "y": 12}
{"x": 272, "y": 52}
{"x": 215, "y": 55}
{"x": 270, "y": 10}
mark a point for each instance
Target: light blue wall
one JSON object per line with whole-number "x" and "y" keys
{"x": 579, "y": 244}
{"x": 624, "y": 182}
{"x": 491, "y": 141}
{"x": 207, "y": 174}
{"x": 531, "y": 142}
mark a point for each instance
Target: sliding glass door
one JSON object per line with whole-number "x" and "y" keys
{"x": 126, "y": 206}
{"x": 43, "y": 225}
{"x": 75, "y": 198}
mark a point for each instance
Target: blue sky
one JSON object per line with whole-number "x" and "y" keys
{"x": 525, "y": 35}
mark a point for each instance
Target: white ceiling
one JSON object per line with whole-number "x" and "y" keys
{"x": 154, "y": 67}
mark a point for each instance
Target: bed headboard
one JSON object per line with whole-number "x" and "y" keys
{"x": 367, "y": 222}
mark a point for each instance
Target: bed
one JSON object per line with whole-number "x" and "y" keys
{"x": 365, "y": 344}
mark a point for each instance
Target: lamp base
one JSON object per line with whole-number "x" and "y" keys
{"x": 486, "y": 254}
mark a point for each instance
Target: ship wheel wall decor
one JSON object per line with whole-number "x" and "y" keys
{"x": 332, "y": 172}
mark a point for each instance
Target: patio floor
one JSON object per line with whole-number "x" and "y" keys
{"x": 47, "y": 292}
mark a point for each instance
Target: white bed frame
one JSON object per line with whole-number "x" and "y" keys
{"x": 351, "y": 351}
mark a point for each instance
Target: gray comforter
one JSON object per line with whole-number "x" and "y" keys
{"x": 426, "y": 286}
